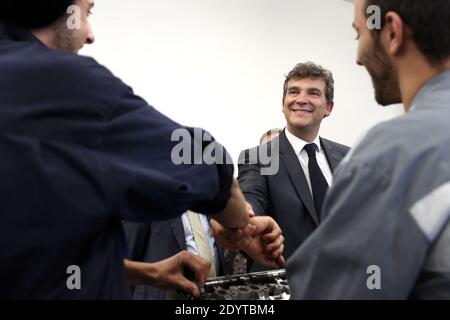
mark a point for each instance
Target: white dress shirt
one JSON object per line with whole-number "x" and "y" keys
{"x": 298, "y": 145}
{"x": 189, "y": 237}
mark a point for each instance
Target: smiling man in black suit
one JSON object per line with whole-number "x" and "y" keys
{"x": 292, "y": 185}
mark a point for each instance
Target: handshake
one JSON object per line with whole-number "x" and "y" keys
{"x": 235, "y": 228}
{"x": 261, "y": 239}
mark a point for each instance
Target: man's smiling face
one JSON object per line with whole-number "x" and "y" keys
{"x": 305, "y": 105}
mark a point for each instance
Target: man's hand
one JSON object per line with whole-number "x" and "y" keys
{"x": 262, "y": 240}
{"x": 250, "y": 211}
{"x": 267, "y": 244}
{"x": 233, "y": 239}
{"x": 171, "y": 273}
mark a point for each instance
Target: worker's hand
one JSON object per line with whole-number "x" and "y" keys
{"x": 262, "y": 240}
{"x": 267, "y": 244}
{"x": 250, "y": 211}
{"x": 232, "y": 239}
{"x": 170, "y": 274}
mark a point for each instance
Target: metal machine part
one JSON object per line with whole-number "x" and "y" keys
{"x": 265, "y": 285}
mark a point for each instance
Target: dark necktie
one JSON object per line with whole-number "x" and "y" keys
{"x": 319, "y": 184}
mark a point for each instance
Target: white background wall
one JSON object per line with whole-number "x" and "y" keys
{"x": 220, "y": 64}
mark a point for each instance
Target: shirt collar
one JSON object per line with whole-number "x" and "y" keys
{"x": 298, "y": 144}
{"x": 432, "y": 90}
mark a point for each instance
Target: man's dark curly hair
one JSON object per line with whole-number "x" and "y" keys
{"x": 32, "y": 14}
{"x": 429, "y": 21}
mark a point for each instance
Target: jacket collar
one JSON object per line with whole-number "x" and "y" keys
{"x": 12, "y": 33}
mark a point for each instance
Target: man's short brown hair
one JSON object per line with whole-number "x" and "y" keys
{"x": 311, "y": 70}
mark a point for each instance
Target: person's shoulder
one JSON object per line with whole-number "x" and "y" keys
{"x": 254, "y": 154}
{"x": 244, "y": 156}
{"x": 266, "y": 146}
{"x": 64, "y": 72}
{"x": 373, "y": 157}
{"x": 386, "y": 145}
{"x": 79, "y": 68}
{"x": 246, "y": 152}
{"x": 390, "y": 134}
{"x": 336, "y": 145}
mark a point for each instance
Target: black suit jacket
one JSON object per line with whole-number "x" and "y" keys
{"x": 285, "y": 195}
{"x": 153, "y": 242}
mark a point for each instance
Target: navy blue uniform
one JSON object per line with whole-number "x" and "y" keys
{"x": 79, "y": 153}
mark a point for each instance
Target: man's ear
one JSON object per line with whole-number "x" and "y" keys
{"x": 394, "y": 33}
{"x": 330, "y": 106}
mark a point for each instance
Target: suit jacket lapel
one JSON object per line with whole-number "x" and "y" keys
{"x": 295, "y": 171}
{"x": 332, "y": 156}
{"x": 178, "y": 231}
